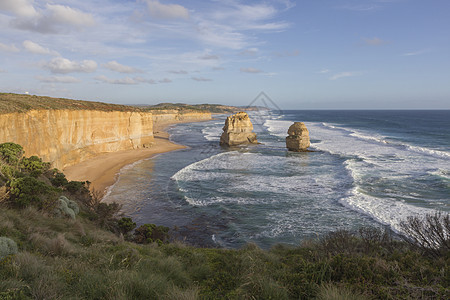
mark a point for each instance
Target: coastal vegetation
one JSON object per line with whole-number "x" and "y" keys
{"x": 10, "y": 103}
{"x": 48, "y": 252}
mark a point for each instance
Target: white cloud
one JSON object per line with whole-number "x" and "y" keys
{"x": 8, "y": 48}
{"x": 67, "y": 15}
{"x": 125, "y": 81}
{"x": 324, "y": 71}
{"x": 344, "y": 74}
{"x": 117, "y": 67}
{"x": 3, "y": 71}
{"x": 38, "y": 49}
{"x": 54, "y": 18}
{"x": 22, "y": 8}
{"x": 209, "y": 56}
{"x": 166, "y": 11}
{"x": 201, "y": 79}
{"x": 58, "y": 79}
{"x": 165, "y": 80}
{"x": 179, "y": 72}
{"x": 251, "y": 70}
{"x": 287, "y": 53}
{"x": 414, "y": 53}
{"x": 63, "y": 66}
{"x": 374, "y": 41}
{"x": 249, "y": 52}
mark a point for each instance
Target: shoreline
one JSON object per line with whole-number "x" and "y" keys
{"x": 103, "y": 170}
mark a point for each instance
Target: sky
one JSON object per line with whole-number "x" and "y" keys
{"x": 306, "y": 54}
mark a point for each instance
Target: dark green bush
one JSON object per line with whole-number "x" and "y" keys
{"x": 57, "y": 178}
{"x": 28, "y": 190}
{"x": 150, "y": 233}
{"x": 33, "y": 165}
{"x": 11, "y": 153}
{"x": 75, "y": 186}
{"x": 126, "y": 225}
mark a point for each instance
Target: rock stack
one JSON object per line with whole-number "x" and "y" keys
{"x": 238, "y": 130}
{"x": 298, "y": 139}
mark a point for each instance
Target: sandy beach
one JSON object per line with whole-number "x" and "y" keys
{"x": 102, "y": 171}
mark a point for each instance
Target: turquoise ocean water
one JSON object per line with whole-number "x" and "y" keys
{"x": 367, "y": 168}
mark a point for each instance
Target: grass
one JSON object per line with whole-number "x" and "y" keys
{"x": 55, "y": 262}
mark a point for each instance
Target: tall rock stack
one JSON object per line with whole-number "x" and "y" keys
{"x": 298, "y": 139}
{"x": 238, "y": 130}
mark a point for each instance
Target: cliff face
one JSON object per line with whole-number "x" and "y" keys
{"x": 67, "y": 137}
{"x": 172, "y": 116}
{"x": 238, "y": 130}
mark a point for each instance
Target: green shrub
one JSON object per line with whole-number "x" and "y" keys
{"x": 75, "y": 186}
{"x": 7, "y": 247}
{"x": 11, "y": 153}
{"x": 126, "y": 225}
{"x": 27, "y": 190}
{"x": 58, "y": 179}
{"x": 149, "y": 233}
{"x": 33, "y": 165}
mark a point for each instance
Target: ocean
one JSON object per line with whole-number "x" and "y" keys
{"x": 366, "y": 168}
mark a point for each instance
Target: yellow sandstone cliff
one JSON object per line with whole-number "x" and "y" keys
{"x": 67, "y": 137}
{"x": 167, "y": 116}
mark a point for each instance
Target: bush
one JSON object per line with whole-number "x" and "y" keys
{"x": 11, "y": 153}
{"x": 27, "y": 190}
{"x": 58, "y": 179}
{"x": 7, "y": 247}
{"x": 67, "y": 207}
{"x": 431, "y": 233}
{"x": 126, "y": 225}
{"x": 150, "y": 233}
{"x": 33, "y": 165}
{"x": 75, "y": 186}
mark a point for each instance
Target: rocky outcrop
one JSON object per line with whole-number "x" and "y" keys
{"x": 238, "y": 130}
{"x": 298, "y": 139}
{"x": 67, "y": 137}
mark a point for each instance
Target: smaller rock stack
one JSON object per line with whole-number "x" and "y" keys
{"x": 238, "y": 130}
{"x": 298, "y": 139}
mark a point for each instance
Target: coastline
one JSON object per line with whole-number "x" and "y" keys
{"x": 103, "y": 170}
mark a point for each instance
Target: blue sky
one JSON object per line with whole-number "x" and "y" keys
{"x": 316, "y": 54}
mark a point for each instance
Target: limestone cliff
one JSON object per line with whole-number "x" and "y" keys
{"x": 298, "y": 139}
{"x": 238, "y": 130}
{"x": 161, "y": 117}
{"x": 67, "y": 137}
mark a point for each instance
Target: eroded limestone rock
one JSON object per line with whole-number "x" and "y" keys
{"x": 298, "y": 139}
{"x": 238, "y": 130}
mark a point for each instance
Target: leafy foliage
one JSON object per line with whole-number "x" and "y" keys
{"x": 58, "y": 178}
{"x": 28, "y": 190}
{"x": 126, "y": 225}
{"x": 11, "y": 153}
{"x": 33, "y": 165}
{"x": 150, "y": 233}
